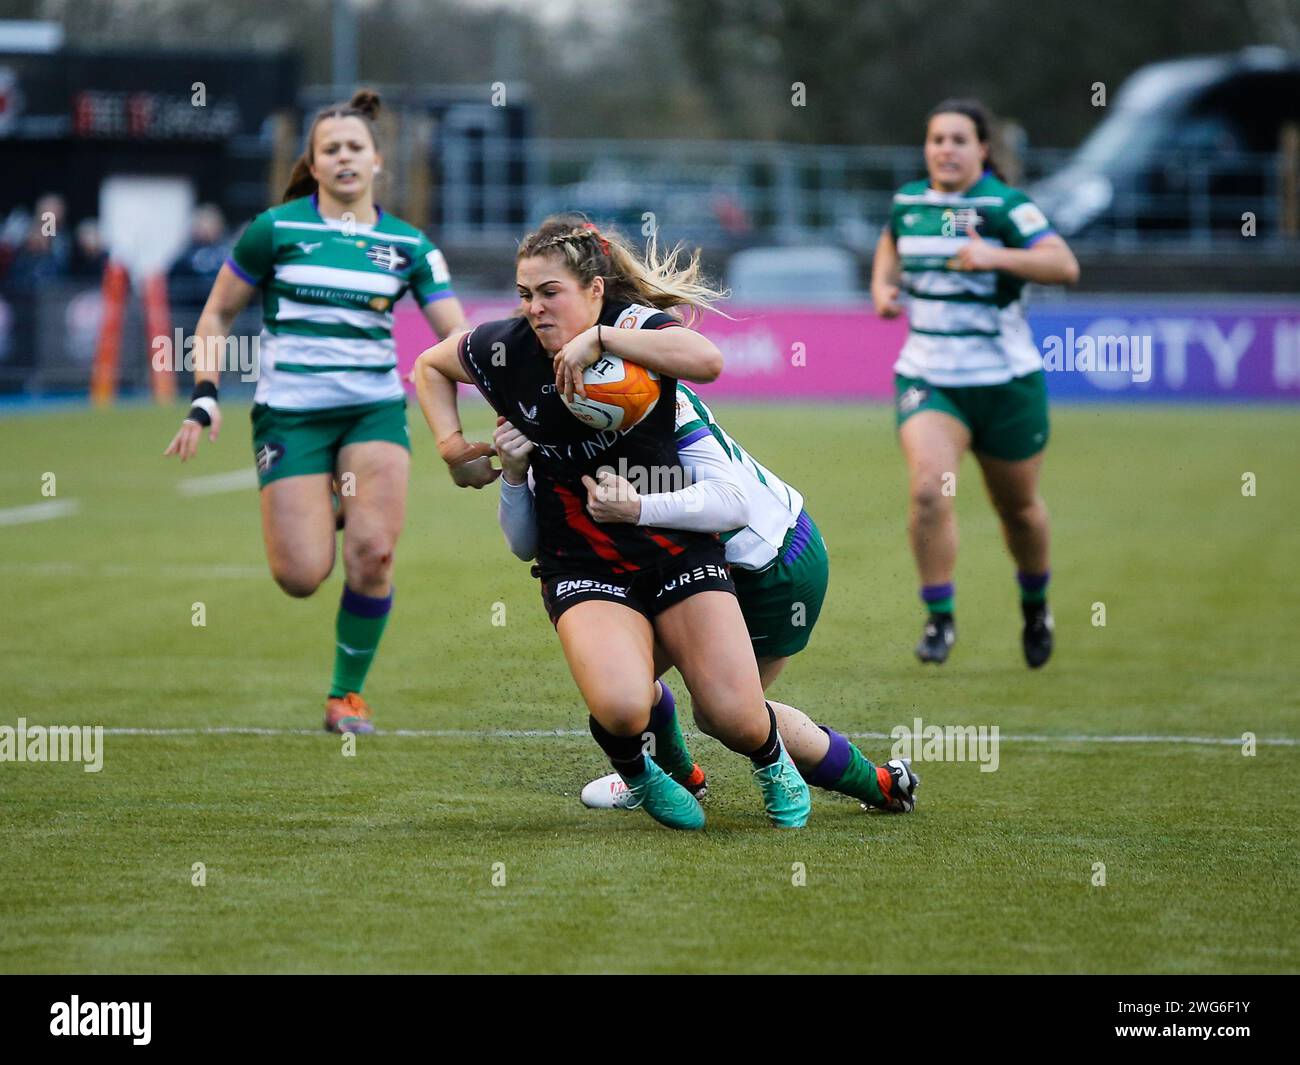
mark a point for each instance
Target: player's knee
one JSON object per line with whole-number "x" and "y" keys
{"x": 368, "y": 558}
{"x": 622, "y": 715}
{"x": 928, "y": 499}
{"x": 298, "y": 581}
{"x": 705, "y": 725}
{"x": 729, "y": 718}
{"x": 1022, "y": 514}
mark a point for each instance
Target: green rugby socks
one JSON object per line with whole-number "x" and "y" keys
{"x": 670, "y": 752}
{"x": 847, "y": 770}
{"x": 1033, "y": 586}
{"x": 938, "y": 598}
{"x": 357, "y": 632}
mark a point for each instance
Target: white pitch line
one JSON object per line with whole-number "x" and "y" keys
{"x": 1217, "y": 741}
{"x": 213, "y": 483}
{"x": 50, "y": 509}
{"x": 188, "y": 570}
{"x": 428, "y": 733}
{"x": 202, "y": 571}
{"x": 479, "y": 734}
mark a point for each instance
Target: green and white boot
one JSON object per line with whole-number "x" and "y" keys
{"x": 663, "y": 798}
{"x": 785, "y": 794}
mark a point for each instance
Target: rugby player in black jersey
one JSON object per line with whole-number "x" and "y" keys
{"x": 614, "y": 591}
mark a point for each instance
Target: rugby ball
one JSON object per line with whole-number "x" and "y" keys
{"x": 619, "y": 394}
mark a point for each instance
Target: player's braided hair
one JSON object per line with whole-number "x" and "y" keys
{"x": 652, "y": 279}
{"x": 363, "y": 105}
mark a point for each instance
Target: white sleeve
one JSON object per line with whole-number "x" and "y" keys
{"x": 715, "y": 502}
{"x": 516, "y": 518}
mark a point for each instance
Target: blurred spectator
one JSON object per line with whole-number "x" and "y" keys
{"x": 1010, "y": 139}
{"x": 197, "y": 266}
{"x": 40, "y": 251}
{"x": 90, "y": 254}
{"x": 45, "y": 252}
{"x": 12, "y": 234}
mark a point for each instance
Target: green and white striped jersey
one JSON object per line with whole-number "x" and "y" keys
{"x": 328, "y": 289}
{"x": 774, "y": 506}
{"x": 967, "y": 328}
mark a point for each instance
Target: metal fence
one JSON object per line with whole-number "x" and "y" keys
{"x": 50, "y": 333}
{"x": 735, "y": 193}
{"x": 725, "y": 195}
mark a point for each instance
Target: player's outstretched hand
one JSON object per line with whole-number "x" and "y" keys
{"x": 572, "y": 359}
{"x": 513, "y": 449}
{"x": 186, "y": 441}
{"x": 612, "y": 498}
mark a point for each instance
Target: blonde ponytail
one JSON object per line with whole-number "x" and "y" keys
{"x": 654, "y": 279}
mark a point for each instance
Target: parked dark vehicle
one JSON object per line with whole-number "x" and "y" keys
{"x": 1186, "y": 145}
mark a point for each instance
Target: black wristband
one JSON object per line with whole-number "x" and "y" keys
{"x": 204, "y": 400}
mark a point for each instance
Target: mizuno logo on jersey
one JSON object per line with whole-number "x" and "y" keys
{"x": 308, "y": 246}
{"x": 388, "y": 257}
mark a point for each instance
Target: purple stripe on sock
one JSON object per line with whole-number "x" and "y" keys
{"x": 837, "y": 759}
{"x": 932, "y": 593}
{"x": 366, "y": 606}
{"x": 664, "y": 710}
{"x": 1033, "y": 582}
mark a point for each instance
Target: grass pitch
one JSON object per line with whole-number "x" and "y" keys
{"x": 386, "y": 861}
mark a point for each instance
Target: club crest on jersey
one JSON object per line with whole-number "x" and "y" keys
{"x": 911, "y": 399}
{"x": 388, "y": 257}
{"x": 268, "y": 455}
